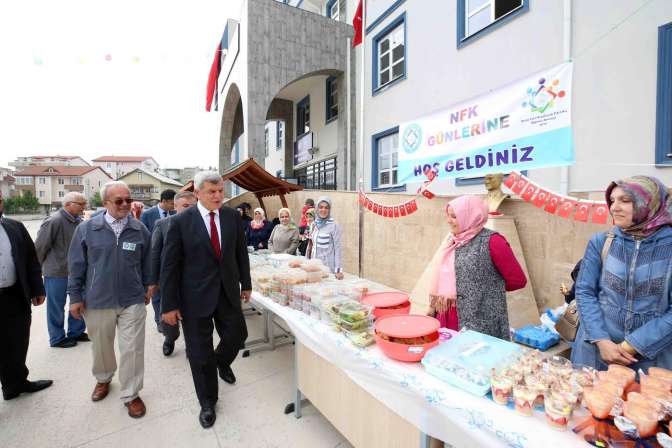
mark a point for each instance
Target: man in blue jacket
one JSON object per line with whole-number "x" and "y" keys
{"x": 164, "y": 209}
{"x": 109, "y": 274}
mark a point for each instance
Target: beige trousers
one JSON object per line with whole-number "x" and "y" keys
{"x": 101, "y": 326}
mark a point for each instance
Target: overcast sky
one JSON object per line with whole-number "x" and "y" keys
{"x": 59, "y": 94}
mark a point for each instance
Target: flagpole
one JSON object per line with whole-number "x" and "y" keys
{"x": 360, "y": 147}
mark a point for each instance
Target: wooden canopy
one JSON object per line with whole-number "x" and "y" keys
{"x": 252, "y": 177}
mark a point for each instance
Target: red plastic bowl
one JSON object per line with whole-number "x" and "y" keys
{"x": 406, "y": 327}
{"x": 387, "y": 303}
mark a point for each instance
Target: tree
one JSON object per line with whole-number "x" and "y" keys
{"x": 96, "y": 201}
{"x": 29, "y": 202}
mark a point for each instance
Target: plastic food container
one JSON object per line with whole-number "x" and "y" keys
{"x": 599, "y": 401}
{"x": 360, "y": 338}
{"x": 354, "y": 312}
{"x": 523, "y": 399}
{"x": 388, "y": 303}
{"x": 407, "y": 337}
{"x": 501, "y": 386}
{"x": 558, "y": 410}
{"x": 536, "y": 336}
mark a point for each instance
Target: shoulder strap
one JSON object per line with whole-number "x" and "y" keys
{"x": 607, "y": 245}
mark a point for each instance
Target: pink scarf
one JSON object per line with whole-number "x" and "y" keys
{"x": 472, "y": 214}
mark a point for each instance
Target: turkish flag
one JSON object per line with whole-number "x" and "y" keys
{"x": 402, "y": 209}
{"x": 357, "y": 24}
{"x": 529, "y": 192}
{"x": 362, "y": 199}
{"x": 376, "y": 209}
{"x": 369, "y": 204}
{"x": 213, "y": 76}
{"x": 541, "y": 197}
{"x": 600, "y": 213}
{"x": 511, "y": 179}
{"x": 396, "y": 211}
{"x": 386, "y": 211}
{"x": 552, "y": 204}
{"x": 520, "y": 185}
{"x": 566, "y": 208}
{"x": 411, "y": 206}
{"x": 582, "y": 211}
{"x": 428, "y": 194}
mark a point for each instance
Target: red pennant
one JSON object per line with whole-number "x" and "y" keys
{"x": 430, "y": 174}
{"x": 566, "y": 208}
{"x": 511, "y": 179}
{"x": 386, "y": 211}
{"x": 520, "y": 185}
{"x": 541, "y": 197}
{"x": 582, "y": 211}
{"x": 362, "y": 200}
{"x": 600, "y": 213}
{"x": 529, "y": 191}
{"x": 396, "y": 211}
{"x": 402, "y": 209}
{"x": 376, "y": 208}
{"x": 553, "y": 203}
{"x": 369, "y": 204}
{"x": 414, "y": 205}
{"x": 428, "y": 194}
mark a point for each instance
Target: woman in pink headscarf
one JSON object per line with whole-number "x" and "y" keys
{"x": 475, "y": 268}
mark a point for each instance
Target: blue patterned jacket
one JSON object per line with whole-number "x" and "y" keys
{"x": 627, "y": 300}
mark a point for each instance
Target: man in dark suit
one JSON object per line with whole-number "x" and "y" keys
{"x": 183, "y": 201}
{"x": 20, "y": 284}
{"x": 205, "y": 273}
{"x": 164, "y": 209}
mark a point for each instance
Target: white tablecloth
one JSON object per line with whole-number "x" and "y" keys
{"x": 433, "y": 406}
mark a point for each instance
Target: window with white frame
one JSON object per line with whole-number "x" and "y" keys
{"x": 391, "y": 55}
{"x": 24, "y": 180}
{"x": 61, "y": 181}
{"x": 109, "y": 165}
{"x": 41, "y": 193}
{"x": 76, "y": 180}
{"x": 333, "y": 7}
{"x": 61, "y": 194}
{"x": 42, "y": 180}
{"x": 387, "y": 154}
{"x": 140, "y": 176}
{"x": 479, "y": 14}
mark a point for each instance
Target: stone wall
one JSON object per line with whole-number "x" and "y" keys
{"x": 396, "y": 251}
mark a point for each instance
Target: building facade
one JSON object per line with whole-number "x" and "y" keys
{"x": 421, "y": 57}
{"x": 146, "y": 186}
{"x": 118, "y": 166}
{"x": 50, "y": 183}
{"x": 7, "y": 182}
{"x": 22, "y": 162}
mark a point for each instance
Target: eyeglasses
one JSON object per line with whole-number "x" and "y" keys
{"x": 120, "y": 201}
{"x": 81, "y": 204}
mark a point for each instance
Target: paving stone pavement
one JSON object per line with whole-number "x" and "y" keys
{"x": 249, "y": 413}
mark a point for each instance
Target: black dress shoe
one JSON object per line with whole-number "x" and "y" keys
{"x": 28, "y": 386}
{"x": 168, "y": 348}
{"x": 83, "y": 338}
{"x": 207, "y": 417}
{"x": 226, "y": 374}
{"x": 65, "y": 343}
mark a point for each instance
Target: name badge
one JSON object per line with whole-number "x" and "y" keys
{"x": 128, "y": 246}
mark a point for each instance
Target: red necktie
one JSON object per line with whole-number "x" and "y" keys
{"x": 214, "y": 236}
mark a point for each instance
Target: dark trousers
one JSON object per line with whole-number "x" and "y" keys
{"x": 15, "y": 319}
{"x": 203, "y": 359}
{"x": 156, "y": 304}
{"x": 170, "y": 332}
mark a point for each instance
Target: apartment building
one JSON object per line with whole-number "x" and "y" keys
{"x": 7, "y": 181}
{"x": 288, "y": 61}
{"x": 22, "y": 162}
{"x": 118, "y": 166}
{"x": 50, "y": 183}
{"x": 146, "y": 186}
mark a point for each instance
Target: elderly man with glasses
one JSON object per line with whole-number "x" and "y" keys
{"x": 109, "y": 274}
{"x": 52, "y": 243}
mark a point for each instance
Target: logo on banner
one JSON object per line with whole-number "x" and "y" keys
{"x": 542, "y": 97}
{"x": 412, "y": 138}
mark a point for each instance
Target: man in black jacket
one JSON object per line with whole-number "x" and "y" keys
{"x": 205, "y": 273}
{"x": 20, "y": 284}
{"x": 182, "y": 201}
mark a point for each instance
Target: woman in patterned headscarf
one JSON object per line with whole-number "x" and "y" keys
{"x": 625, "y": 305}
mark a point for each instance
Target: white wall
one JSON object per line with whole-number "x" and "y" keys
{"x": 275, "y": 161}
{"x": 614, "y": 78}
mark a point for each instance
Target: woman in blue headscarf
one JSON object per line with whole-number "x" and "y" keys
{"x": 325, "y": 239}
